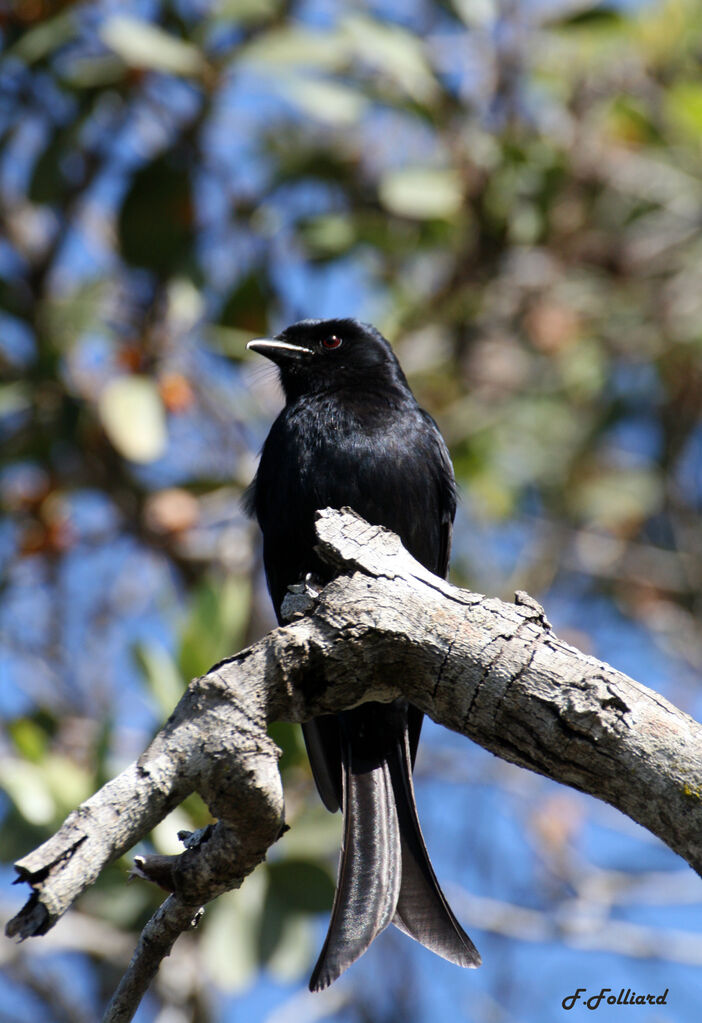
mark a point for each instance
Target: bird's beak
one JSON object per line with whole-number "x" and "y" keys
{"x": 277, "y": 351}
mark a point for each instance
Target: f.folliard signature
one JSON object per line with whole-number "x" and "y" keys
{"x": 608, "y": 997}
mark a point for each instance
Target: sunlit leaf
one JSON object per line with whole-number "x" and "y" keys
{"x": 613, "y": 499}
{"x": 583, "y": 368}
{"x": 491, "y": 495}
{"x": 683, "y": 102}
{"x": 132, "y": 414}
{"x": 230, "y": 938}
{"x": 215, "y": 624}
{"x": 144, "y": 45}
{"x": 69, "y": 783}
{"x": 161, "y": 673}
{"x": 329, "y": 235}
{"x": 422, "y": 193}
{"x": 285, "y": 48}
{"x": 665, "y": 32}
{"x": 233, "y": 609}
{"x": 296, "y": 890}
{"x": 314, "y": 833}
{"x": 630, "y": 121}
{"x": 294, "y": 949}
{"x": 124, "y": 906}
{"x": 395, "y": 52}
{"x": 185, "y": 304}
{"x": 475, "y": 12}
{"x": 165, "y": 834}
{"x": 27, "y": 786}
{"x": 325, "y": 100}
{"x": 196, "y": 811}
{"x": 29, "y": 737}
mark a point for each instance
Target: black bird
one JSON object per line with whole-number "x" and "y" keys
{"x": 352, "y": 433}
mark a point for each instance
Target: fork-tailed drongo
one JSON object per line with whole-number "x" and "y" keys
{"x": 352, "y": 433}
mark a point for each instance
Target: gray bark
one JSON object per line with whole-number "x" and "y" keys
{"x": 492, "y": 671}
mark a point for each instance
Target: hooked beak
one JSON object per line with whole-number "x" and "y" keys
{"x": 277, "y": 351}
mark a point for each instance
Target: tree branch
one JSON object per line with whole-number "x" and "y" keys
{"x": 385, "y": 627}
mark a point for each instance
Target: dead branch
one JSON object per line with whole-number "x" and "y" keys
{"x": 385, "y": 627}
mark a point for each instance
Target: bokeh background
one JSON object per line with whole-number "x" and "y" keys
{"x": 512, "y": 192}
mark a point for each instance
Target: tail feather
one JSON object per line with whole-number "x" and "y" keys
{"x": 422, "y": 909}
{"x": 385, "y": 874}
{"x": 321, "y": 737}
{"x": 369, "y": 878}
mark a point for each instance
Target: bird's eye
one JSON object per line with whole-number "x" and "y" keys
{"x": 331, "y": 342}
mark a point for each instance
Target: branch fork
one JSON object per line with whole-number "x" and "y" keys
{"x": 385, "y": 627}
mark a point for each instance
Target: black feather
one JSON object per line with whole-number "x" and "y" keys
{"x": 352, "y": 433}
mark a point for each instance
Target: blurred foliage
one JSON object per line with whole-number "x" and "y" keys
{"x": 513, "y": 197}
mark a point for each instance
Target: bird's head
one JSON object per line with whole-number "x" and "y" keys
{"x": 317, "y": 355}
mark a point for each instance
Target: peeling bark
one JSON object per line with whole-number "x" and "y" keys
{"x": 385, "y": 627}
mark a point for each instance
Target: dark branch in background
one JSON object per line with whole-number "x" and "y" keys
{"x": 492, "y": 671}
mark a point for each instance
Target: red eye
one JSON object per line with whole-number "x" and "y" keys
{"x": 331, "y": 342}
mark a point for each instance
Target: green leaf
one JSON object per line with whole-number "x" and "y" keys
{"x": 325, "y": 100}
{"x": 233, "y": 611}
{"x": 282, "y": 49}
{"x": 246, "y": 307}
{"x": 230, "y": 937}
{"x": 13, "y": 398}
{"x": 583, "y": 369}
{"x": 165, "y": 834}
{"x": 475, "y": 12}
{"x": 69, "y": 783}
{"x": 613, "y": 499}
{"x": 45, "y": 38}
{"x": 26, "y": 785}
{"x": 232, "y": 343}
{"x": 133, "y": 416}
{"x": 301, "y": 886}
{"x": 631, "y": 120}
{"x": 422, "y": 193}
{"x": 296, "y": 890}
{"x": 143, "y": 45}
{"x": 29, "y": 737}
{"x": 196, "y": 811}
{"x": 125, "y": 906}
{"x": 329, "y": 235}
{"x": 47, "y": 182}
{"x": 289, "y": 738}
{"x": 244, "y": 12}
{"x": 293, "y": 950}
{"x": 157, "y": 219}
{"x": 215, "y": 625}
{"x": 314, "y": 833}
{"x": 394, "y": 52}
{"x": 683, "y": 104}
{"x": 593, "y": 15}
{"x": 165, "y": 682}
{"x": 94, "y": 72}
{"x": 65, "y": 317}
